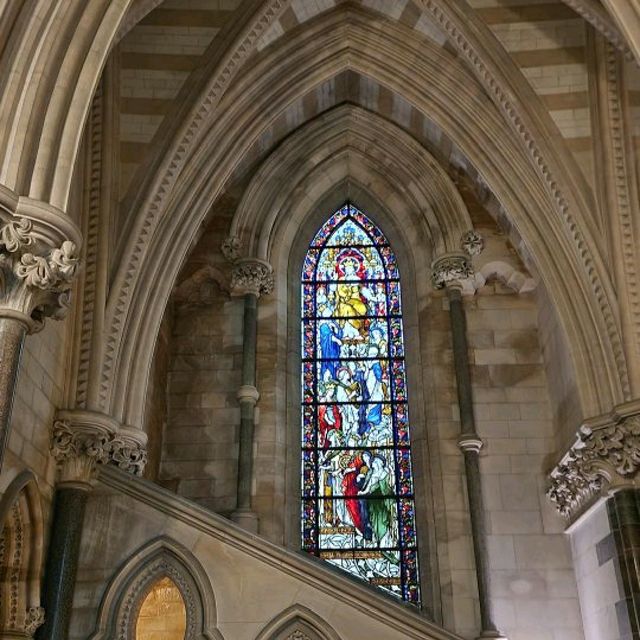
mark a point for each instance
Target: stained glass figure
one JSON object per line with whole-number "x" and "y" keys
{"x": 357, "y": 488}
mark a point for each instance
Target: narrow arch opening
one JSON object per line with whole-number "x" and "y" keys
{"x": 358, "y": 510}
{"x": 163, "y": 614}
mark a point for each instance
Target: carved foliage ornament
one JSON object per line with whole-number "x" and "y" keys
{"x": 598, "y": 456}
{"x": 33, "y": 619}
{"x": 451, "y": 268}
{"x": 97, "y": 447}
{"x": 252, "y": 276}
{"x": 35, "y": 279}
{"x": 472, "y": 243}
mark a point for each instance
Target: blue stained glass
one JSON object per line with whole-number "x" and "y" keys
{"x": 358, "y": 510}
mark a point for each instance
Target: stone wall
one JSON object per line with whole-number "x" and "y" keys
{"x": 598, "y": 576}
{"x": 253, "y": 581}
{"x": 39, "y": 393}
{"x": 200, "y": 447}
{"x": 532, "y": 577}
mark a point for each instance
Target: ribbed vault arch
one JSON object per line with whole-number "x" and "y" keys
{"x": 559, "y": 240}
{"x": 404, "y": 169}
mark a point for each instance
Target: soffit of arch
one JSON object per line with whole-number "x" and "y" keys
{"x": 53, "y": 64}
{"x": 352, "y": 135}
{"x": 556, "y": 228}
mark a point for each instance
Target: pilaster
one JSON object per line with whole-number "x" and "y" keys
{"x": 250, "y": 278}
{"x": 449, "y": 272}
{"x": 39, "y": 259}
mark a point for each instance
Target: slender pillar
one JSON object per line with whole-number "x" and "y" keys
{"x": 250, "y": 278}
{"x": 62, "y": 561}
{"x": 623, "y": 510}
{"x": 449, "y": 271}
{"x": 81, "y": 441}
{"x": 12, "y": 333}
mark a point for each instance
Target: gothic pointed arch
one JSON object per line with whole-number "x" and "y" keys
{"x": 358, "y": 507}
{"x": 169, "y": 220}
{"x": 21, "y": 548}
{"x": 297, "y": 623}
{"x": 161, "y": 558}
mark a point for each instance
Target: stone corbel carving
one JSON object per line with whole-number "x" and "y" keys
{"x": 606, "y": 454}
{"x": 251, "y": 275}
{"x": 82, "y": 440}
{"x": 35, "y": 276}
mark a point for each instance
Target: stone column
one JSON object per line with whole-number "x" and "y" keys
{"x": 604, "y": 461}
{"x": 81, "y": 440}
{"x": 250, "y": 278}
{"x": 38, "y": 262}
{"x": 449, "y": 271}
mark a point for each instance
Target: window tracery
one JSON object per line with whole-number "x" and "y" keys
{"x": 358, "y": 509}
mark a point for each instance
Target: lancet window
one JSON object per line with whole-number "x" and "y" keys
{"x": 358, "y": 510}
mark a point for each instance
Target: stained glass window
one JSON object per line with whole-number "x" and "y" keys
{"x": 358, "y": 510}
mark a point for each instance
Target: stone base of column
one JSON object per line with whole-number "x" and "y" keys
{"x": 247, "y": 519}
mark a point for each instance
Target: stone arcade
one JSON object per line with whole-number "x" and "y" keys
{"x": 167, "y": 341}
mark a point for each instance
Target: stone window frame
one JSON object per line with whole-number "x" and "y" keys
{"x": 160, "y": 558}
{"x": 405, "y": 253}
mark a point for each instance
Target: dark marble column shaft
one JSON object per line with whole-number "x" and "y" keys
{"x": 471, "y": 444}
{"x": 12, "y": 333}
{"x": 62, "y": 562}
{"x": 623, "y": 510}
{"x": 247, "y": 402}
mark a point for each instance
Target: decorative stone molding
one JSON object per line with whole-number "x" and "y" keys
{"x": 33, "y": 619}
{"x": 248, "y": 393}
{"x": 82, "y": 440}
{"x": 470, "y": 443}
{"x": 161, "y": 558}
{"x": 472, "y": 243}
{"x": 35, "y": 276}
{"x": 231, "y": 248}
{"x": 297, "y": 623}
{"x": 21, "y": 548}
{"x": 251, "y": 275}
{"x": 606, "y": 453}
{"x": 450, "y": 270}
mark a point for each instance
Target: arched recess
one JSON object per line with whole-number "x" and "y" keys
{"x": 405, "y": 172}
{"x": 21, "y": 548}
{"x": 557, "y": 236}
{"x": 297, "y": 623}
{"x": 160, "y": 558}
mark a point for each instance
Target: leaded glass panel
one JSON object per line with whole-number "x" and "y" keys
{"x": 358, "y": 509}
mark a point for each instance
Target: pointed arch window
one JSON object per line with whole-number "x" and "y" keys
{"x": 358, "y": 509}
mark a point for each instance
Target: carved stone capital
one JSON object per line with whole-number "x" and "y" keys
{"x": 450, "y": 270}
{"x": 82, "y": 440}
{"x": 251, "y": 275}
{"x": 606, "y": 453}
{"x": 472, "y": 243}
{"x": 129, "y": 452}
{"x": 39, "y": 259}
{"x": 33, "y": 620}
